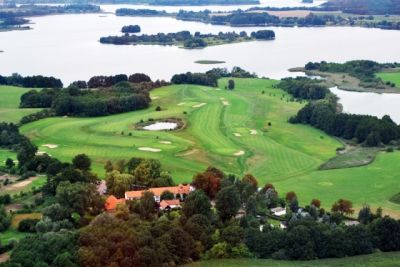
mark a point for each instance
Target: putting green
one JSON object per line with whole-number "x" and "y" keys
{"x": 229, "y": 130}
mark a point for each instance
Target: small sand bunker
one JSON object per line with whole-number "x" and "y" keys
{"x": 253, "y": 131}
{"x": 165, "y": 142}
{"x": 40, "y": 153}
{"x": 160, "y": 126}
{"x": 149, "y": 149}
{"x": 226, "y": 103}
{"x": 182, "y": 103}
{"x": 21, "y": 184}
{"x": 221, "y": 98}
{"x": 199, "y": 105}
{"x": 237, "y": 134}
{"x": 50, "y": 145}
{"x": 155, "y": 97}
{"x": 218, "y": 89}
{"x": 239, "y": 153}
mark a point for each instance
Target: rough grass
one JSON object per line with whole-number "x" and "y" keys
{"x": 355, "y": 157}
{"x": 17, "y": 218}
{"x": 11, "y": 234}
{"x": 393, "y": 77}
{"x": 285, "y": 154}
{"x": 373, "y": 260}
{"x": 9, "y": 102}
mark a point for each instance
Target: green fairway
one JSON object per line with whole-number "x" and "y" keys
{"x": 238, "y": 131}
{"x": 393, "y": 77}
{"x": 373, "y": 260}
{"x": 9, "y": 102}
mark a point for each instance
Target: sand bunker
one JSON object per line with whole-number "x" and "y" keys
{"x": 239, "y": 153}
{"x": 40, "y": 153}
{"x": 165, "y": 142}
{"x": 182, "y": 103}
{"x": 237, "y": 134}
{"x": 218, "y": 89}
{"x": 226, "y": 103}
{"x": 199, "y": 105}
{"x": 253, "y": 131}
{"x": 149, "y": 149}
{"x": 155, "y": 97}
{"x": 221, "y": 98}
{"x": 50, "y": 145}
{"x": 159, "y": 126}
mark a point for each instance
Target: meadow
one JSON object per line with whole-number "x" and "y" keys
{"x": 9, "y": 102}
{"x": 240, "y": 131}
{"x": 393, "y": 77}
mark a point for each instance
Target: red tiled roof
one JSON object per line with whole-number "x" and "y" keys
{"x": 166, "y": 203}
{"x": 112, "y": 202}
{"x": 157, "y": 191}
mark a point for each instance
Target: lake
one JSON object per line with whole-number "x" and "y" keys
{"x": 263, "y": 3}
{"x": 67, "y": 46}
{"x": 369, "y": 103}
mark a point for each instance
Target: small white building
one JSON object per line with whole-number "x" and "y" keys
{"x": 278, "y": 211}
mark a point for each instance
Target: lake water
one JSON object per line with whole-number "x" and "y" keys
{"x": 263, "y": 3}
{"x": 369, "y": 103}
{"x": 67, "y": 46}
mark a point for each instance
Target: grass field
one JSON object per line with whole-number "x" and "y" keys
{"x": 393, "y": 77}
{"x": 9, "y": 102}
{"x": 388, "y": 259}
{"x": 229, "y": 130}
{"x": 5, "y": 154}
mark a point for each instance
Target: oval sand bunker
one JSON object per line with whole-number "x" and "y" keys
{"x": 149, "y": 149}
{"x": 160, "y": 126}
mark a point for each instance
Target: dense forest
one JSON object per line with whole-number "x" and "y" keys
{"x": 188, "y": 40}
{"x": 140, "y": 12}
{"x": 203, "y": 2}
{"x": 112, "y": 94}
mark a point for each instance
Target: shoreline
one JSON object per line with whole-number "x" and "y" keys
{"x": 349, "y": 83}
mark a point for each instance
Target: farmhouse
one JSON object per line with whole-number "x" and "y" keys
{"x": 179, "y": 192}
{"x": 112, "y": 202}
{"x": 170, "y": 204}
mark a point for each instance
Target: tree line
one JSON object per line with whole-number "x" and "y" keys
{"x": 304, "y": 88}
{"x": 363, "y": 129}
{"x": 113, "y": 94}
{"x": 37, "y": 81}
{"x": 210, "y": 78}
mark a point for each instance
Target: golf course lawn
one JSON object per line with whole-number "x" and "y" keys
{"x": 240, "y": 131}
{"x": 9, "y": 102}
{"x": 393, "y": 77}
{"x": 379, "y": 259}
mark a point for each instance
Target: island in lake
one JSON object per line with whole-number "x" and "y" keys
{"x": 187, "y": 40}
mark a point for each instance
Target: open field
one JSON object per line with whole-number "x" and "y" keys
{"x": 373, "y": 260}
{"x": 25, "y": 185}
{"x": 229, "y": 130}
{"x": 9, "y": 102}
{"x": 393, "y": 77}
